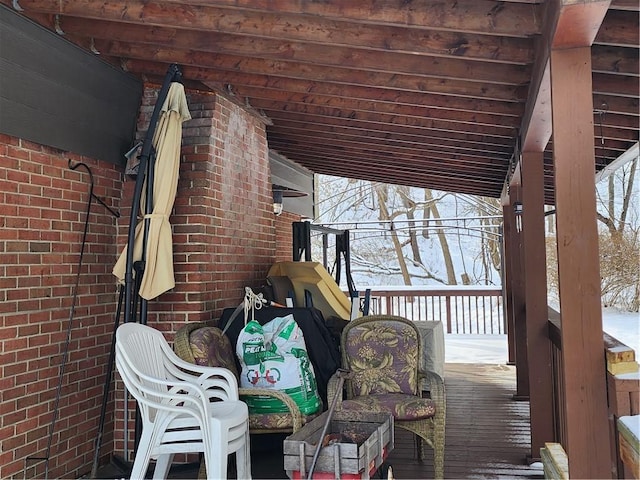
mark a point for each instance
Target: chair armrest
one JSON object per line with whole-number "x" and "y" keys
{"x": 434, "y": 383}
{"x": 175, "y": 395}
{"x": 213, "y": 379}
{"x": 293, "y": 408}
{"x": 438, "y": 394}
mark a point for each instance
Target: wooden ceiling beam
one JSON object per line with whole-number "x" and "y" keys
{"x": 375, "y": 137}
{"x": 612, "y": 120}
{"x": 480, "y": 16}
{"x": 257, "y": 94}
{"x": 264, "y": 28}
{"x": 474, "y": 161}
{"x": 608, "y": 133}
{"x": 359, "y": 125}
{"x": 617, "y": 104}
{"x": 320, "y": 111}
{"x": 625, "y": 5}
{"x": 617, "y": 85}
{"x": 224, "y": 68}
{"x": 469, "y": 16}
{"x": 615, "y": 60}
{"x": 408, "y": 81}
{"x": 422, "y": 179}
{"x": 328, "y": 56}
{"x": 619, "y": 28}
{"x": 565, "y": 25}
{"x": 335, "y": 89}
{"x": 395, "y": 166}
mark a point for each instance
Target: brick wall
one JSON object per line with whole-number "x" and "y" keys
{"x": 225, "y": 237}
{"x": 284, "y": 236}
{"x": 43, "y": 204}
{"x": 225, "y": 234}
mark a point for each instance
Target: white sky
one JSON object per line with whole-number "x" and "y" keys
{"x": 624, "y": 326}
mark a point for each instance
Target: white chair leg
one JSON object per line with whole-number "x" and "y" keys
{"x": 243, "y": 459}
{"x": 143, "y": 455}
{"x": 163, "y": 464}
{"x": 216, "y": 456}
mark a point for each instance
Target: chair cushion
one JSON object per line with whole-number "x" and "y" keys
{"x": 401, "y": 406}
{"x": 274, "y": 421}
{"x": 382, "y": 357}
{"x": 211, "y": 348}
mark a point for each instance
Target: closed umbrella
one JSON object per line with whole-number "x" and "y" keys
{"x": 158, "y": 273}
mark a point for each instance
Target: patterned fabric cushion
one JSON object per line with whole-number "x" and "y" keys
{"x": 383, "y": 358}
{"x": 211, "y": 348}
{"x": 272, "y": 421}
{"x": 401, "y": 406}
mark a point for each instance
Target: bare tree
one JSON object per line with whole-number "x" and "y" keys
{"x": 444, "y": 244}
{"x": 619, "y": 242}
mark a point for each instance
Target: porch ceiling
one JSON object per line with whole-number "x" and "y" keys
{"x": 426, "y": 93}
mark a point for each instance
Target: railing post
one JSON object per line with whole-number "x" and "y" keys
{"x": 448, "y": 309}
{"x": 536, "y": 318}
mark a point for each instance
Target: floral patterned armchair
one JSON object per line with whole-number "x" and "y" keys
{"x": 383, "y": 354}
{"x": 205, "y": 344}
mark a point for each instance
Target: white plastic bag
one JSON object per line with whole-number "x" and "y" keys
{"x": 274, "y": 356}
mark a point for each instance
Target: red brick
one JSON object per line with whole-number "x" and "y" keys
{"x": 224, "y": 181}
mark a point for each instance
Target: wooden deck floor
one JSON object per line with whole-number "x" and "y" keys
{"x": 487, "y": 433}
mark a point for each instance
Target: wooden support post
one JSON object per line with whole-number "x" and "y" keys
{"x": 508, "y": 276}
{"x": 518, "y": 300}
{"x": 578, "y": 266}
{"x": 538, "y": 344}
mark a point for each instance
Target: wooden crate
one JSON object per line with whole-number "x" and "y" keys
{"x": 372, "y": 431}
{"x": 629, "y": 444}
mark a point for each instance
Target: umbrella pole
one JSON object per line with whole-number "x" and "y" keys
{"x": 141, "y": 265}
{"x": 145, "y": 157}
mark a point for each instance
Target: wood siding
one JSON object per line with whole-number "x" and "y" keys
{"x": 55, "y": 94}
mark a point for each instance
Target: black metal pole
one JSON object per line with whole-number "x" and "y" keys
{"x": 107, "y": 383}
{"x": 145, "y": 157}
{"x": 145, "y": 171}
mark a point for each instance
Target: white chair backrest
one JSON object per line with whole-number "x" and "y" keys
{"x": 141, "y": 353}
{"x": 145, "y": 359}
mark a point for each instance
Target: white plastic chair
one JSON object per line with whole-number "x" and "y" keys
{"x": 184, "y": 407}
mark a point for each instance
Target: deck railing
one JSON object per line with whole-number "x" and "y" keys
{"x": 623, "y": 392}
{"x": 461, "y": 309}
{"x": 559, "y": 414}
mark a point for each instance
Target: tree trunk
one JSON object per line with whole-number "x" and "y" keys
{"x": 410, "y": 205}
{"x": 446, "y": 253}
{"x": 384, "y": 215}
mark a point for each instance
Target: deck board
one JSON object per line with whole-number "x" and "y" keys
{"x": 488, "y": 433}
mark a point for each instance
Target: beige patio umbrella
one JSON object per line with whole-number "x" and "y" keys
{"x": 158, "y": 274}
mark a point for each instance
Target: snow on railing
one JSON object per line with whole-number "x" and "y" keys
{"x": 474, "y": 309}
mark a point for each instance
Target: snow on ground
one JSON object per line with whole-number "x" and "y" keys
{"x": 624, "y": 326}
